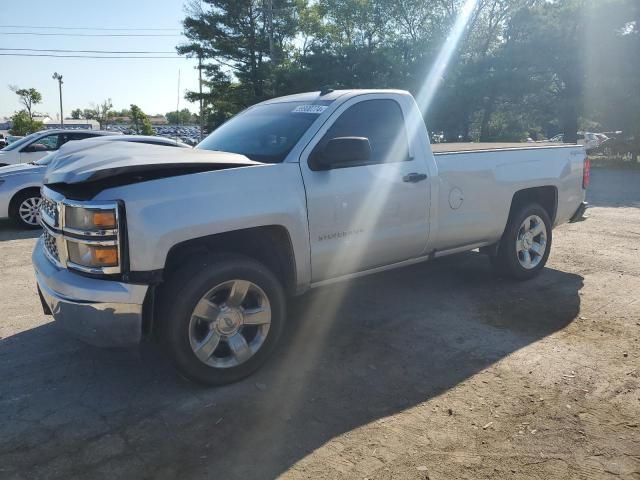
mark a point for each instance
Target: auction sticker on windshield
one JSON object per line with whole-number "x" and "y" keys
{"x": 309, "y": 109}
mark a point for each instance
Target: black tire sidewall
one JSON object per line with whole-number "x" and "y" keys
{"x": 507, "y": 260}
{"x": 187, "y": 286}
{"x": 14, "y": 209}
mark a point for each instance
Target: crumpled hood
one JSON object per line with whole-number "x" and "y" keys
{"x": 78, "y": 162}
{"x": 20, "y": 168}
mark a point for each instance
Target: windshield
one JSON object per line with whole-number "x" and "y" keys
{"x": 265, "y": 133}
{"x": 19, "y": 143}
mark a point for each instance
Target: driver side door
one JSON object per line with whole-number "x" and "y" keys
{"x": 371, "y": 214}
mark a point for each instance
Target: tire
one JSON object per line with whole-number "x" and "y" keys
{"x": 511, "y": 259}
{"x": 22, "y": 209}
{"x": 208, "y": 283}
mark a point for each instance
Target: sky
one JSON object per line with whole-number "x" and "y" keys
{"x": 152, "y": 84}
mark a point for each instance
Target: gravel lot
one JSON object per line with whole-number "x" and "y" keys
{"x": 437, "y": 371}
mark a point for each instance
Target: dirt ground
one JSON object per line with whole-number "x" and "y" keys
{"x": 437, "y": 371}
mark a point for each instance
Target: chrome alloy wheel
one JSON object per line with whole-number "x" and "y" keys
{"x": 531, "y": 242}
{"x": 29, "y": 210}
{"x": 230, "y": 323}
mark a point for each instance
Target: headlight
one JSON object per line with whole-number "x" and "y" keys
{"x": 92, "y": 237}
{"x": 92, "y": 256}
{"x": 88, "y": 219}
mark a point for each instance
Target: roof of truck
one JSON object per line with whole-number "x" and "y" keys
{"x": 330, "y": 95}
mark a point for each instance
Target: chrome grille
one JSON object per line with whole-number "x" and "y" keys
{"x": 51, "y": 245}
{"x": 49, "y": 208}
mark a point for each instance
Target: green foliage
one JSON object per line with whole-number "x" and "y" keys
{"x": 103, "y": 112}
{"x": 125, "y": 112}
{"x": 140, "y": 121}
{"x": 179, "y": 117}
{"x": 522, "y": 69}
{"x": 29, "y": 97}
{"x": 22, "y": 124}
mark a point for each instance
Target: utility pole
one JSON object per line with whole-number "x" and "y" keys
{"x": 58, "y": 77}
{"x": 200, "y": 85}
{"x": 178, "y": 106}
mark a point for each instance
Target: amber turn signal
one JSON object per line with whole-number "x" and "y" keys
{"x": 105, "y": 256}
{"x": 104, "y": 219}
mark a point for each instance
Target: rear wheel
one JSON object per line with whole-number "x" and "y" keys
{"x": 525, "y": 244}
{"x": 25, "y": 209}
{"x": 222, "y": 318}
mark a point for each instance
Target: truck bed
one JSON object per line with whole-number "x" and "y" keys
{"x": 441, "y": 148}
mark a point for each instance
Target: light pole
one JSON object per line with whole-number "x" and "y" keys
{"x": 58, "y": 77}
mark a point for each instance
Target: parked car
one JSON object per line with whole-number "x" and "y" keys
{"x": 201, "y": 247}
{"x": 20, "y": 184}
{"x": 587, "y": 139}
{"x": 13, "y": 138}
{"x": 35, "y": 146}
{"x": 602, "y": 138}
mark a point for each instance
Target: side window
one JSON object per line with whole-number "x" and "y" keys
{"x": 44, "y": 144}
{"x": 382, "y": 122}
{"x": 67, "y": 137}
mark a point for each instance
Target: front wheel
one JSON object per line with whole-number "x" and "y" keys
{"x": 222, "y": 318}
{"x": 525, "y": 244}
{"x": 25, "y": 209}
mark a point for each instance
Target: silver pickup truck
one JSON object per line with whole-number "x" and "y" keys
{"x": 201, "y": 248}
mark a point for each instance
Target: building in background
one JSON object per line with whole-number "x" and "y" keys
{"x": 80, "y": 124}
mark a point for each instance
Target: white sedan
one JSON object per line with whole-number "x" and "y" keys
{"x": 20, "y": 184}
{"x": 37, "y": 145}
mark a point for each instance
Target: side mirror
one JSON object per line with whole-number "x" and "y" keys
{"x": 341, "y": 152}
{"x": 35, "y": 147}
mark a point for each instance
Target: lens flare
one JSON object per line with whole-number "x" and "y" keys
{"x": 322, "y": 309}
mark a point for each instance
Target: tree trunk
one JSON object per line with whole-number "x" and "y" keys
{"x": 489, "y": 106}
{"x": 570, "y": 122}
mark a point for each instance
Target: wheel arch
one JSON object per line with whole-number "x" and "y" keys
{"x": 270, "y": 245}
{"x": 546, "y": 196}
{"x": 16, "y": 196}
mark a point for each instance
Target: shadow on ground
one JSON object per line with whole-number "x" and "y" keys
{"x": 354, "y": 353}
{"x": 9, "y": 231}
{"x": 614, "y": 188}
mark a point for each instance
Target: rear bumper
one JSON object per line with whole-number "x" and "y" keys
{"x": 579, "y": 215}
{"x": 100, "y": 312}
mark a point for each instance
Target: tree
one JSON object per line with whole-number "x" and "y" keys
{"x": 613, "y": 87}
{"x": 89, "y": 113}
{"x": 121, "y": 113}
{"x": 547, "y": 41}
{"x": 248, "y": 38}
{"x": 29, "y": 97}
{"x": 179, "y": 117}
{"x": 76, "y": 114}
{"x": 140, "y": 121}
{"x": 520, "y": 68}
{"x": 23, "y": 124}
{"x": 103, "y": 112}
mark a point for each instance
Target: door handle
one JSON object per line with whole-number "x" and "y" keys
{"x": 414, "y": 177}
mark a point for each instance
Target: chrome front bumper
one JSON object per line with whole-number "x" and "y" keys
{"x": 100, "y": 312}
